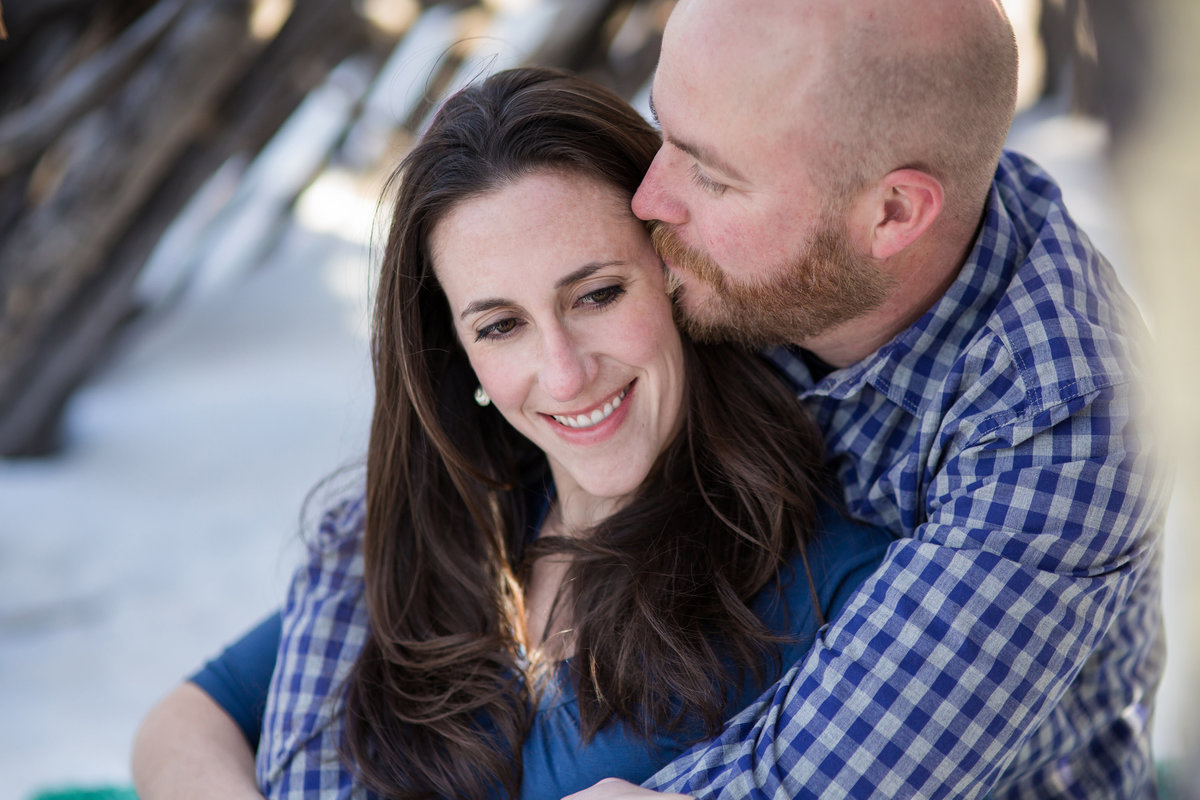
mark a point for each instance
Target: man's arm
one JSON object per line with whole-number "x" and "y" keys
{"x": 189, "y": 747}
{"x": 969, "y": 634}
{"x": 324, "y": 627}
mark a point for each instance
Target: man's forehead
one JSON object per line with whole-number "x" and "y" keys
{"x": 724, "y": 104}
{"x": 751, "y": 52}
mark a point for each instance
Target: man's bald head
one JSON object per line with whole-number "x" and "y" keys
{"x": 825, "y": 163}
{"x": 867, "y": 86}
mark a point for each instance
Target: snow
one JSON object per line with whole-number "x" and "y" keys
{"x": 170, "y": 523}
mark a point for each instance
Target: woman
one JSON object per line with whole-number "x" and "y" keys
{"x": 586, "y": 540}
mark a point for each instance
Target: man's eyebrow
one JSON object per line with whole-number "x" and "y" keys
{"x": 706, "y": 157}
{"x": 488, "y": 303}
{"x": 699, "y": 152}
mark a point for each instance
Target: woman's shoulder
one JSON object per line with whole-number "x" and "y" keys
{"x": 324, "y": 628}
{"x": 324, "y": 620}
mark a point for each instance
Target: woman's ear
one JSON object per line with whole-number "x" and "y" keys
{"x": 900, "y": 208}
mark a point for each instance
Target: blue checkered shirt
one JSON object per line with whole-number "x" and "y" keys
{"x": 324, "y": 628}
{"x": 1011, "y": 642}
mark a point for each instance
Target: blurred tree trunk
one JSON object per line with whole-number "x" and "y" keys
{"x": 1098, "y": 53}
{"x": 113, "y": 114}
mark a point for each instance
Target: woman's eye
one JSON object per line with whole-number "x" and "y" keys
{"x": 602, "y": 297}
{"x": 497, "y": 330}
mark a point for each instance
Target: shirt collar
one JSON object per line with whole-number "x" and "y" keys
{"x": 906, "y": 368}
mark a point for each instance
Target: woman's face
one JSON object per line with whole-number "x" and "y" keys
{"x": 559, "y": 300}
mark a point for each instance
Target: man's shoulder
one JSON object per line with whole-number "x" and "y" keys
{"x": 1062, "y": 319}
{"x": 338, "y": 531}
{"x": 345, "y": 518}
{"x": 332, "y": 573}
{"x": 325, "y": 616}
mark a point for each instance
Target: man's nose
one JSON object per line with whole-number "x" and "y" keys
{"x": 656, "y": 197}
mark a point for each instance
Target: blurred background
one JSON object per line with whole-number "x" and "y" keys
{"x": 188, "y": 203}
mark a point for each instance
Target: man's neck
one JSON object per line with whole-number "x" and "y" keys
{"x": 920, "y": 284}
{"x": 853, "y": 341}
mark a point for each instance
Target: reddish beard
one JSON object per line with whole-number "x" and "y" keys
{"x": 825, "y": 285}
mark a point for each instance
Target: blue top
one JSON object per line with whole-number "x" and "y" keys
{"x": 238, "y": 678}
{"x": 555, "y": 762}
{"x": 325, "y": 625}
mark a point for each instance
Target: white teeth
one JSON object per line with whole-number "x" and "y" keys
{"x": 596, "y": 417}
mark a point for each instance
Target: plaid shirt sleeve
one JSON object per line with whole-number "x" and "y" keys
{"x": 324, "y": 629}
{"x": 971, "y": 630}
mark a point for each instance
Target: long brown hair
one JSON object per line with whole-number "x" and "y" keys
{"x": 438, "y": 703}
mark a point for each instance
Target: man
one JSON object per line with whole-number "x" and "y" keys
{"x": 829, "y": 182}
{"x": 967, "y": 354}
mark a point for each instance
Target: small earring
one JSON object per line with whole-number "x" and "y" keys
{"x": 481, "y": 397}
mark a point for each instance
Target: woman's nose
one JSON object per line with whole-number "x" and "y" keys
{"x": 565, "y": 368}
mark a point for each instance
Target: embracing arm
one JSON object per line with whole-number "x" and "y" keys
{"x": 968, "y": 635}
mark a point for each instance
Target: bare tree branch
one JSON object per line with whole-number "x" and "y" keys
{"x": 110, "y": 162}
{"x": 25, "y": 133}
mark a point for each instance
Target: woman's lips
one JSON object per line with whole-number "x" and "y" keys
{"x": 594, "y": 417}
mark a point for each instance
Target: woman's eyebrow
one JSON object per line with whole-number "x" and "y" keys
{"x": 586, "y": 271}
{"x": 486, "y": 304}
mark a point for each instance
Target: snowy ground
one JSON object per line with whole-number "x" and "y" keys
{"x": 170, "y": 522}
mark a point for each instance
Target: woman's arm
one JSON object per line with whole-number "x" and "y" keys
{"x": 188, "y": 747}
{"x": 199, "y": 740}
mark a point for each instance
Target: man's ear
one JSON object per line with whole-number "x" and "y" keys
{"x": 899, "y": 209}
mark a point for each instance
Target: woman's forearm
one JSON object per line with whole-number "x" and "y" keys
{"x": 188, "y": 748}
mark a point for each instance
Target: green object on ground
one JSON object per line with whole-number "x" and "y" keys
{"x": 86, "y": 793}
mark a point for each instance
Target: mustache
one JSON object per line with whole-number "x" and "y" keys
{"x": 683, "y": 258}
{"x": 674, "y": 282}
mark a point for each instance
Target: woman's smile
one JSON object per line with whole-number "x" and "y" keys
{"x": 590, "y": 419}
